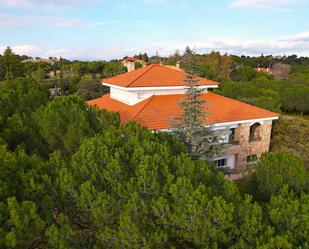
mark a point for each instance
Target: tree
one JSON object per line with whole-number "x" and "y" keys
{"x": 292, "y": 134}
{"x": 64, "y": 123}
{"x": 287, "y": 214}
{"x": 302, "y": 99}
{"x": 20, "y": 217}
{"x": 95, "y": 67}
{"x": 269, "y": 103}
{"x": 220, "y": 64}
{"x": 161, "y": 198}
{"x": 90, "y": 89}
{"x": 275, "y": 170}
{"x": 9, "y": 61}
{"x": 201, "y": 141}
{"x": 243, "y": 74}
{"x": 67, "y": 120}
{"x": 61, "y": 74}
{"x": 39, "y": 74}
{"x": 113, "y": 68}
{"x": 18, "y": 99}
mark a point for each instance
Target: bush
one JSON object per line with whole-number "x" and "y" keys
{"x": 274, "y": 170}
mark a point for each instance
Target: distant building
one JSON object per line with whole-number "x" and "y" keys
{"x": 150, "y": 96}
{"x": 50, "y": 60}
{"x": 263, "y": 70}
{"x": 279, "y": 71}
{"x": 129, "y": 63}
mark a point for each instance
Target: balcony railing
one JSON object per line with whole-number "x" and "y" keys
{"x": 255, "y": 139}
{"x": 228, "y": 170}
{"x": 233, "y": 142}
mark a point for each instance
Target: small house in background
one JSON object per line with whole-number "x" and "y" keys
{"x": 263, "y": 70}
{"x": 279, "y": 71}
{"x": 129, "y": 63}
{"x": 50, "y": 60}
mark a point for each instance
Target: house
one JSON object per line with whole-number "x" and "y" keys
{"x": 129, "y": 63}
{"x": 263, "y": 70}
{"x": 279, "y": 71}
{"x": 150, "y": 96}
{"x": 50, "y": 60}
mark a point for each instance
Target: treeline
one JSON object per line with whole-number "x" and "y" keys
{"x": 75, "y": 177}
{"x": 62, "y": 76}
{"x": 237, "y": 75}
{"x": 12, "y": 66}
{"x": 240, "y": 80}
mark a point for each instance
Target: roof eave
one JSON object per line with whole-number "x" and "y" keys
{"x": 154, "y": 87}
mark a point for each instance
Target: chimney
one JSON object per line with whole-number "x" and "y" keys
{"x": 130, "y": 64}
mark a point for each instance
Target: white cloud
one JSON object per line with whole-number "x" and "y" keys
{"x": 25, "y": 49}
{"x": 294, "y": 44}
{"x": 30, "y": 4}
{"x": 7, "y": 21}
{"x": 300, "y": 37}
{"x": 266, "y": 4}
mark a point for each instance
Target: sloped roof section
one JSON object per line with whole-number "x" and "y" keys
{"x": 154, "y": 75}
{"x": 157, "y": 112}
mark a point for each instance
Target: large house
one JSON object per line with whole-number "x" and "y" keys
{"x": 150, "y": 96}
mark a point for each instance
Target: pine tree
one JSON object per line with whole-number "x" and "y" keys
{"x": 61, "y": 74}
{"x": 200, "y": 140}
{"x": 9, "y": 63}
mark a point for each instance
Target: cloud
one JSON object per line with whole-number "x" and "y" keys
{"x": 47, "y": 4}
{"x": 300, "y": 37}
{"x": 266, "y": 4}
{"x": 25, "y": 49}
{"x": 8, "y": 21}
{"x": 293, "y": 44}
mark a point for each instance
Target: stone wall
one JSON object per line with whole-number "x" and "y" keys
{"x": 244, "y": 147}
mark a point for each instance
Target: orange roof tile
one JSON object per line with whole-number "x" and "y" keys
{"x": 154, "y": 75}
{"x": 157, "y": 112}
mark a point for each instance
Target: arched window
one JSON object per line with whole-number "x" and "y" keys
{"x": 255, "y": 130}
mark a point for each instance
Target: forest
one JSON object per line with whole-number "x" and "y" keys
{"x": 76, "y": 177}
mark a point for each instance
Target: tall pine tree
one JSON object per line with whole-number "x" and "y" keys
{"x": 9, "y": 60}
{"x": 201, "y": 141}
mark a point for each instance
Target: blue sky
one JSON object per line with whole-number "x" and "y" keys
{"x": 106, "y": 29}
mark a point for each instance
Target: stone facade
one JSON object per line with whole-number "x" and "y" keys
{"x": 242, "y": 147}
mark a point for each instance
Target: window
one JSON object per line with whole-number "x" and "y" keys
{"x": 232, "y": 135}
{"x": 252, "y": 158}
{"x": 221, "y": 162}
{"x": 255, "y": 132}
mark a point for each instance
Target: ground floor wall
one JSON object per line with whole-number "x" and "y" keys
{"x": 243, "y": 148}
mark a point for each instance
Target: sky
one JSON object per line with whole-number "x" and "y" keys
{"x": 110, "y": 29}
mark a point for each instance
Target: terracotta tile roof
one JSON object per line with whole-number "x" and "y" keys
{"x": 153, "y": 75}
{"x": 263, "y": 70}
{"x": 130, "y": 59}
{"x": 157, "y": 112}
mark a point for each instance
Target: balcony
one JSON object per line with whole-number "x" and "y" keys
{"x": 255, "y": 139}
{"x": 233, "y": 142}
{"x": 228, "y": 170}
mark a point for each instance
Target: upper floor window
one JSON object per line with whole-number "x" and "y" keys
{"x": 221, "y": 162}
{"x": 255, "y": 131}
{"x": 232, "y": 135}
